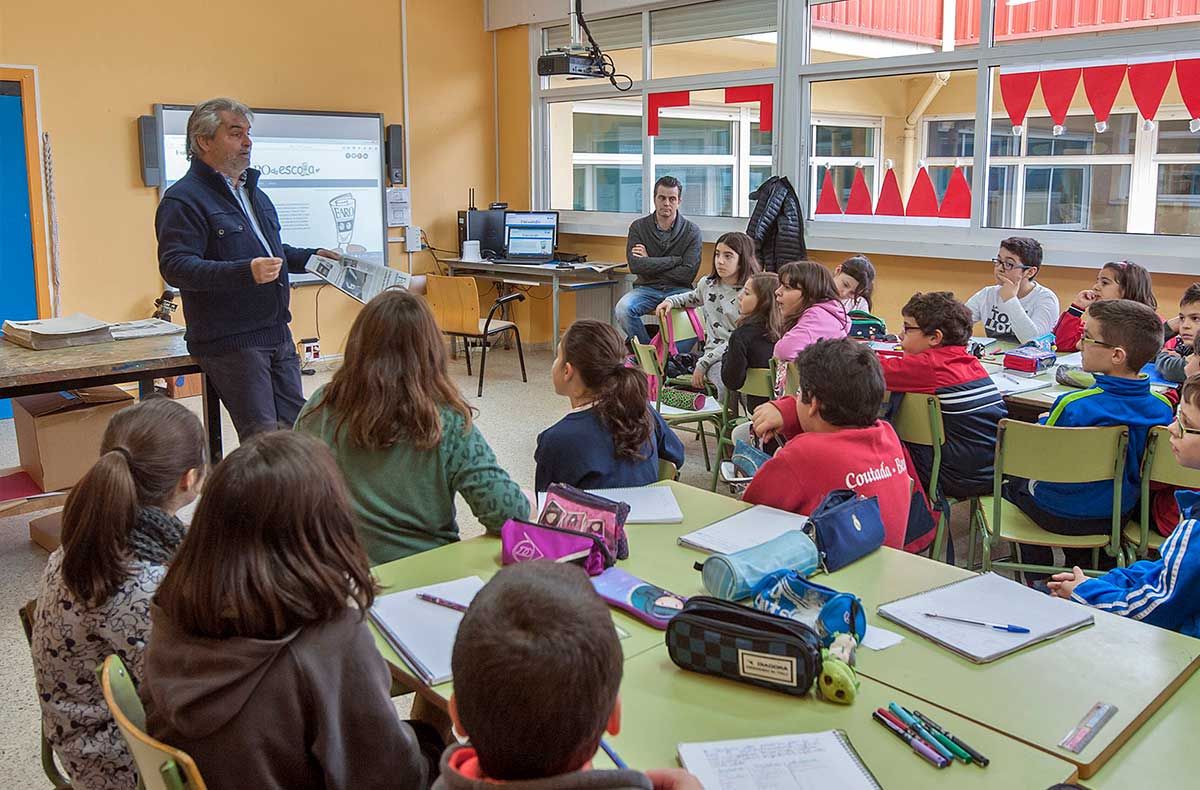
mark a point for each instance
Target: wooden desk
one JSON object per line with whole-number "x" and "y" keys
{"x": 662, "y": 706}
{"x": 615, "y": 281}
{"x": 1038, "y": 694}
{"x": 27, "y": 372}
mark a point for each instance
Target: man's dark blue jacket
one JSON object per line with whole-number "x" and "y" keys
{"x": 205, "y": 245}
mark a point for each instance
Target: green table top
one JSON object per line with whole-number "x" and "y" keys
{"x": 662, "y": 706}
{"x": 1038, "y": 694}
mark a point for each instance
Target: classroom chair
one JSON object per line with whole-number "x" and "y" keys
{"x": 1056, "y": 455}
{"x": 688, "y": 421}
{"x": 455, "y": 305}
{"x": 667, "y": 471}
{"x": 760, "y": 383}
{"x": 49, "y": 766}
{"x": 791, "y": 382}
{"x": 1159, "y": 465}
{"x": 918, "y": 420}
{"x": 160, "y": 767}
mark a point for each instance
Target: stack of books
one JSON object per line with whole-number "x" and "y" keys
{"x": 49, "y": 333}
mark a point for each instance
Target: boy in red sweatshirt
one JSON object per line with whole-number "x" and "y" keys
{"x": 835, "y": 438}
{"x": 936, "y": 330}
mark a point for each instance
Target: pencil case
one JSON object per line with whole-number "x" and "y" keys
{"x": 788, "y": 594}
{"x": 732, "y": 577}
{"x": 521, "y": 541}
{"x": 653, "y": 605}
{"x": 714, "y": 637}
{"x": 681, "y": 399}
{"x": 570, "y": 508}
{"x": 1029, "y": 360}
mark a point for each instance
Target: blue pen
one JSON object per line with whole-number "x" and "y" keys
{"x": 908, "y": 719}
{"x": 1012, "y": 629}
{"x": 612, "y": 755}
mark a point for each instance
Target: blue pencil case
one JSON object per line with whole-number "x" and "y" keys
{"x": 732, "y": 577}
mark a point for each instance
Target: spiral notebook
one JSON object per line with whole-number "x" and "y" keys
{"x": 991, "y": 598}
{"x": 780, "y": 762}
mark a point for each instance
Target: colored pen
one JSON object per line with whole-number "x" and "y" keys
{"x": 427, "y": 598}
{"x": 975, "y": 756}
{"x": 911, "y": 739}
{"x": 942, "y": 738}
{"x": 908, "y": 719}
{"x": 1012, "y": 629}
{"x": 931, "y": 745}
{"x": 612, "y": 755}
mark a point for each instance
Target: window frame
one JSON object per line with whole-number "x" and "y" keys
{"x": 793, "y": 78}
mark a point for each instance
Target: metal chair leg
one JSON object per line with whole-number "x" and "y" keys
{"x": 520, "y": 352}
{"x": 467, "y": 353}
{"x": 482, "y": 363}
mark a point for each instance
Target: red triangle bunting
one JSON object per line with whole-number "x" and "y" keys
{"x": 859, "y": 202}
{"x": 1102, "y": 84}
{"x": 1148, "y": 81}
{"x": 922, "y": 200}
{"x": 1187, "y": 77}
{"x": 956, "y": 204}
{"x": 890, "y": 204}
{"x": 827, "y": 201}
{"x": 1016, "y": 90}
{"x": 1058, "y": 89}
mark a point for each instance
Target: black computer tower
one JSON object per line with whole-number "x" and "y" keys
{"x": 486, "y": 226}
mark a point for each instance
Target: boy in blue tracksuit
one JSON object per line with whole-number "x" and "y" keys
{"x": 1163, "y": 592}
{"x": 1120, "y": 337}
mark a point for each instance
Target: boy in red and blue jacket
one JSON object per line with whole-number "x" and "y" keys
{"x": 937, "y": 328}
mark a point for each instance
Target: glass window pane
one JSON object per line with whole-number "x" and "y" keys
{"x": 1083, "y": 197}
{"x": 707, "y": 189}
{"x": 693, "y": 136}
{"x": 843, "y": 179}
{"x": 608, "y": 188}
{"x": 1026, "y": 21}
{"x": 758, "y": 174}
{"x": 760, "y": 141}
{"x": 956, "y": 138}
{"x": 1174, "y": 137}
{"x": 607, "y": 134}
{"x": 715, "y": 37}
{"x": 1002, "y": 197}
{"x": 1178, "y": 210}
{"x": 844, "y": 141}
{"x": 1080, "y": 138}
{"x": 620, "y": 37}
{"x": 940, "y": 175}
{"x": 854, "y": 29}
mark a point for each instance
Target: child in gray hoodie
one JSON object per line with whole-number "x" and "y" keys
{"x": 537, "y": 665}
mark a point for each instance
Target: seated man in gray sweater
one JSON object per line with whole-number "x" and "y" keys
{"x": 663, "y": 250}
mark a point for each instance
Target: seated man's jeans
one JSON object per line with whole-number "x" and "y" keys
{"x": 637, "y": 303}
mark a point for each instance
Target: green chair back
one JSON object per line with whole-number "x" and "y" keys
{"x": 1060, "y": 455}
{"x": 791, "y": 383}
{"x": 647, "y": 358}
{"x": 918, "y": 420}
{"x": 159, "y": 766}
{"x": 26, "y": 613}
{"x": 667, "y": 470}
{"x": 681, "y": 326}
{"x": 1159, "y": 465}
{"x": 760, "y": 383}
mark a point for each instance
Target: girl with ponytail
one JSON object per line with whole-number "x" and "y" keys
{"x": 119, "y": 532}
{"x": 611, "y": 438}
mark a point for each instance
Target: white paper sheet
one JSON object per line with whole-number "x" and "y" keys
{"x": 807, "y": 761}
{"x": 647, "y": 505}
{"x": 751, "y": 527}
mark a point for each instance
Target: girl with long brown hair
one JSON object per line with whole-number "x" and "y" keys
{"x": 1115, "y": 280}
{"x": 753, "y": 342}
{"x": 262, "y": 667}
{"x": 403, "y": 436}
{"x": 119, "y": 532}
{"x": 611, "y": 438}
{"x": 716, "y": 297}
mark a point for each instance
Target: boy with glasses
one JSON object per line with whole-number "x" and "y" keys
{"x": 1161, "y": 592}
{"x": 1017, "y": 307}
{"x": 1120, "y": 336}
{"x": 936, "y": 330}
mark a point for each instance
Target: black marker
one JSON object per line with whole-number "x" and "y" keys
{"x": 976, "y": 757}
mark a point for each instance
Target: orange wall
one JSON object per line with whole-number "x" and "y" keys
{"x": 115, "y": 60}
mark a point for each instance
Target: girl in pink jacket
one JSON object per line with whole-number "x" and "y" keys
{"x": 811, "y": 308}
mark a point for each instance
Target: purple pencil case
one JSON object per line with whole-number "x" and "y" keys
{"x": 522, "y": 541}
{"x": 648, "y": 603}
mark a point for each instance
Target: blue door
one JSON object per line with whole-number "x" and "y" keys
{"x": 18, "y": 293}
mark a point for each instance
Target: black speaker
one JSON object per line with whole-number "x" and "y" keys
{"x": 150, "y": 154}
{"x": 395, "y": 153}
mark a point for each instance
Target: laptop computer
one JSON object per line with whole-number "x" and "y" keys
{"x": 530, "y": 237}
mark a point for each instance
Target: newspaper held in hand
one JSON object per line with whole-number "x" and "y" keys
{"x": 357, "y": 278}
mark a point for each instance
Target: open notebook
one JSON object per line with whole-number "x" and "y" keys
{"x": 422, "y": 632}
{"x": 781, "y": 762}
{"x": 751, "y": 527}
{"x": 1008, "y": 384}
{"x": 991, "y": 598}
{"x": 647, "y": 505}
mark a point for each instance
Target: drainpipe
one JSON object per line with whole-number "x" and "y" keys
{"x": 939, "y": 81}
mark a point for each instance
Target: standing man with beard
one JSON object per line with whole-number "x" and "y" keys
{"x": 219, "y": 244}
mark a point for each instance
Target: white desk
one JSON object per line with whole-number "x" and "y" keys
{"x": 616, "y": 282}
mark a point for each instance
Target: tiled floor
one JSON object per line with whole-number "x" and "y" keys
{"x": 511, "y": 414}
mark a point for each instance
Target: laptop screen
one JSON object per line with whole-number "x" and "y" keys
{"x": 530, "y": 233}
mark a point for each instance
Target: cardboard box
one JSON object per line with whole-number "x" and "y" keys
{"x": 185, "y": 386}
{"x": 59, "y": 433}
{"x": 46, "y": 531}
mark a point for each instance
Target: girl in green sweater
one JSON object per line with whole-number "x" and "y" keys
{"x": 403, "y": 437}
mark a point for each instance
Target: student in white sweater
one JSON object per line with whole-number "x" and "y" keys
{"x": 1017, "y": 307}
{"x": 717, "y": 297}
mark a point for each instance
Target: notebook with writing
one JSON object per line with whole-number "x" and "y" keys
{"x": 780, "y": 762}
{"x": 422, "y": 632}
{"x": 991, "y": 598}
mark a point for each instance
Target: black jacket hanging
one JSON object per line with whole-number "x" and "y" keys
{"x": 777, "y": 224}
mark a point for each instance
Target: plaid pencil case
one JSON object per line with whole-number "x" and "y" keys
{"x": 715, "y": 637}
